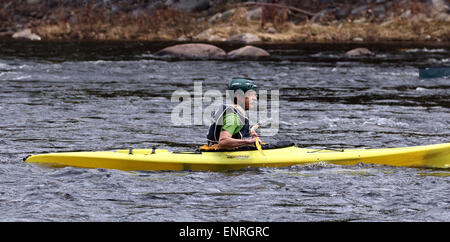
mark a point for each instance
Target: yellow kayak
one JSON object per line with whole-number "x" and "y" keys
{"x": 431, "y": 156}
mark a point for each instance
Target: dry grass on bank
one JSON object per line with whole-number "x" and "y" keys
{"x": 393, "y": 30}
{"x": 169, "y": 24}
{"x": 165, "y": 24}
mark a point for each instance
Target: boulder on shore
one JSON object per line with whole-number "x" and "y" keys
{"x": 245, "y": 38}
{"x": 360, "y": 52}
{"x": 192, "y": 51}
{"x": 190, "y": 5}
{"x": 26, "y": 34}
{"x": 248, "y": 52}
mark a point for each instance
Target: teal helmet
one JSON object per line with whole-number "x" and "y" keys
{"x": 242, "y": 84}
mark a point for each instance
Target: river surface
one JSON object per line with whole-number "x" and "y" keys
{"x": 60, "y": 96}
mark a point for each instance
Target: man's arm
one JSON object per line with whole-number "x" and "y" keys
{"x": 227, "y": 142}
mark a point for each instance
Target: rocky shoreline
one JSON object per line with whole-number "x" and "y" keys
{"x": 219, "y": 21}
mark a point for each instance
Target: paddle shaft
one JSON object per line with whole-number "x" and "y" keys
{"x": 257, "y": 144}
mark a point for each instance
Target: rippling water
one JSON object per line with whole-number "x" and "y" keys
{"x": 57, "y": 96}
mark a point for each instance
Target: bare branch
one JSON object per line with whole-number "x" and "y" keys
{"x": 279, "y": 6}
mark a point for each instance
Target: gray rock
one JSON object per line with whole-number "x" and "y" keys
{"x": 440, "y": 6}
{"x": 246, "y": 38}
{"x": 420, "y": 17}
{"x": 26, "y": 34}
{"x": 406, "y": 14}
{"x": 359, "y": 11}
{"x": 228, "y": 14}
{"x": 379, "y": 11}
{"x": 208, "y": 35}
{"x": 271, "y": 30}
{"x": 248, "y": 52}
{"x": 341, "y": 13}
{"x": 321, "y": 15}
{"x": 442, "y": 17}
{"x": 192, "y": 51}
{"x": 215, "y": 18}
{"x": 360, "y": 52}
{"x": 441, "y": 10}
{"x": 191, "y": 5}
{"x": 254, "y": 14}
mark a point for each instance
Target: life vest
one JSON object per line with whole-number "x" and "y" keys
{"x": 217, "y": 123}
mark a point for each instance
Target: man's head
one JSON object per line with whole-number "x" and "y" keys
{"x": 244, "y": 92}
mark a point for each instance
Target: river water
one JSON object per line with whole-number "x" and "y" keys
{"x": 60, "y": 96}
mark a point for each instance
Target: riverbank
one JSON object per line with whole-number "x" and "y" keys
{"x": 236, "y": 23}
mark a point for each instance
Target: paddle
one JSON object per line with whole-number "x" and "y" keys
{"x": 258, "y": 145}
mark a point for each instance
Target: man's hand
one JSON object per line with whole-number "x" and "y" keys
{"x": 252, "y": 140}
{"x": 255, "y": 136}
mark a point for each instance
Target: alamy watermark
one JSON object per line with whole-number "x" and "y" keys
{"x": 196, "y": 108}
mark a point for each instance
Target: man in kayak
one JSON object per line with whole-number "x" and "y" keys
{"x": 230, "y": 127}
